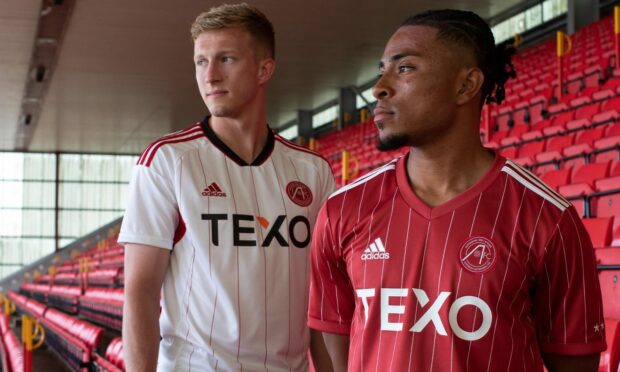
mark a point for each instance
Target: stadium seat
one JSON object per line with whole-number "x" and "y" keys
{"x": 599, "y": 230}
{"x": 612, "y": 104}
{"x": 578, "y": 124}
{"x": 532, "y": 135}
{"x": 613, "y": 130}
{"x": 607, "y": 205}
{"x": 607, "y": 149}
{"x": 577, "y": 194}
{"x": 558, "y": 143}
{"x": 610, "y": 357}
{"x": 605, "y": 117}
{"x": 556, "y": 178}
{"x": 611, "y": 292}
{"x": 589, "y": 136}
{"x": 576, "y": 155}
{"x": 615, "y": 169}
{"x": 590, "y": 172}
{"x": 531, "y": 149}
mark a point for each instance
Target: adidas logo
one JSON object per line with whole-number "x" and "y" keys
{"x": 213, "y": 190}
{"x": 376, "y": 251}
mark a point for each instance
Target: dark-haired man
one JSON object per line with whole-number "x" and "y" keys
{"x": 221, "y": 215}
{"x": 451, "y": 258}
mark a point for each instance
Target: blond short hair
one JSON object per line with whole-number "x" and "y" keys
{"x": 237, "y": 15}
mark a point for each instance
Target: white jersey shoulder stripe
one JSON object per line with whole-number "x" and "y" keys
{"x": 365, "y": 178}
{"x": 522, "y": 179}
{"x": 537, "y": 181}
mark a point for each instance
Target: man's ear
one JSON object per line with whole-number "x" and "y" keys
{"x": 265, "y": 70}
{"x": 470, "y": 85}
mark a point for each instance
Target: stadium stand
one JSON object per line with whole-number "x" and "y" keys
{"x": 572, "y": 142}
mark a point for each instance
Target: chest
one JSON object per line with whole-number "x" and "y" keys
{"x": 262, "y": 206}
{"x": 468, "y": 250}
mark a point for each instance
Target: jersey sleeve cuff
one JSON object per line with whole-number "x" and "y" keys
{"x": 575, "y": 349}
{"x": 323, "y": 326}
{"x": 125, "y": 238}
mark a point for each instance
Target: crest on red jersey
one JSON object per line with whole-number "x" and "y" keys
{"x": 478, "y": 255}
{"x": 299, "y": 193}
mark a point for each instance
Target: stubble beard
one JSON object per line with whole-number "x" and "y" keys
{"x": 392, "y": 142}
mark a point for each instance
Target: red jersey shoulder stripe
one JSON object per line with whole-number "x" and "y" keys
{"x": 535, "y": 185}
{"x": 188, "y": 135}
{"x": 176, "y": 134}
{"x": 172, "y": 140}
{"x": 294, "y": 146}
{"x": 365, "y": 178}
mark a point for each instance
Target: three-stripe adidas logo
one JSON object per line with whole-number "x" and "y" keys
{"x": 375, "y": 251}
{"x": 213, "y": 190}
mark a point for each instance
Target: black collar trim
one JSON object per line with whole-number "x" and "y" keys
{"x": 260, "y": 159}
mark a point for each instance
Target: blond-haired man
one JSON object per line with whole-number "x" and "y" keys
{"x": 220, "y": 217}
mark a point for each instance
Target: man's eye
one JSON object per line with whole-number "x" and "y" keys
{"x": 201, "y": 62}
{"x": 404, "y": 68}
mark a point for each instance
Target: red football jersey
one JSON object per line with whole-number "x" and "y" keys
{"x": 487, "y": 281}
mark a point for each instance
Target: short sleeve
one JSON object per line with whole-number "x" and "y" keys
{"x": 568, "y": 308}
{"x": 331, "y": 303}
{"x": 329, "y": 184}
{"x": 152, "y": 216}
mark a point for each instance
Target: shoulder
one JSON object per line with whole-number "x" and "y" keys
{"x": 371, "y": 180}
{"x": 171, "y": 147}
{"x": 299, "y": 152}
{"x": 538, "y": 190}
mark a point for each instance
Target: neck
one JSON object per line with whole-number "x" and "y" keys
{"x": 450, "y": 165}
{"x": 246, "y": 133}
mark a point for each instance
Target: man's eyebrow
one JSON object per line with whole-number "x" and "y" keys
{"x": 399, "y": 56}
{"x": 218, "y": 54}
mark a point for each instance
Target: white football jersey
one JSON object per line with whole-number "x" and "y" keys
{"x": 235, "y": 296}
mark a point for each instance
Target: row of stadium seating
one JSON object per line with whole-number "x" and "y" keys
{"x": 95, "y": 296}
{"x": 74, "y": 340}
{"x": 12, "y": 351}
{"x": 113, "y": 361}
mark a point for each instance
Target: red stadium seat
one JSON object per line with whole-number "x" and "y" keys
{"x": 578, "y": 124}
{"x": 509, "y": 152}
{"x": 599, "y": 230}
{"x": 613, "y": 130}
{"x": 589, "y": 136}
{"x": 576, "y": 193}
{"x": 605, "y": 117}
{"x": 610, "y": 289}
{"x": 612, "y": 104}
{"x": 558, "y": 143}
{"x": 531, "y": 149}
{"x": 607, "y": 205}
{"x": 518, "y": 130}
{"x": 556, "y": 178}
{"x": 577, "y": 154}
{"x": 590, "y": 172}
{"x": 610, "y": 357}
{"x": 519, "y": 113}
{"x": 615, "y": 169}
{"x": 608, "y": 149}
{"x": 531, "y": 136}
